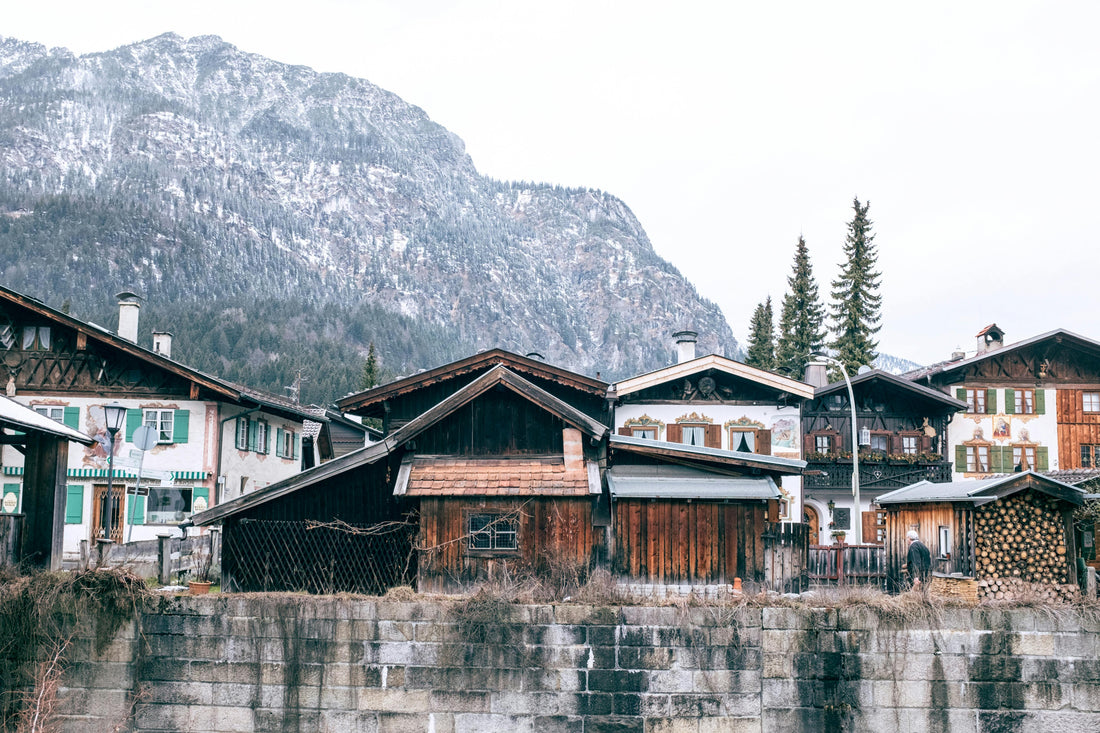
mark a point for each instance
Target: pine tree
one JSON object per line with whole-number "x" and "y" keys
{"x": 856, "y": 300}
{"x": 761, "y": 351}
{"x": 801, "y": 319}
{"x": 371, "y": 372}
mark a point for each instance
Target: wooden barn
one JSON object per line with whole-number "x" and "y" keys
{"x": 1012, "y": 532}
{"x": 691, "y": 515}
{"x": 498, "y": 474}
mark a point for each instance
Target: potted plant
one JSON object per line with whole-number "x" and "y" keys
{"x": 200, "y": 581}
{"x": 839, "y": 536}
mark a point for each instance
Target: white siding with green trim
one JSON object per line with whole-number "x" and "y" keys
{"x": 1040, "y": 428}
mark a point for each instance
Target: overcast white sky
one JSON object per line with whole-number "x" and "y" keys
{"x": 731, "y": 127}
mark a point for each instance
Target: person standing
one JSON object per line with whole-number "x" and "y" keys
{"x": 918, "y": 561}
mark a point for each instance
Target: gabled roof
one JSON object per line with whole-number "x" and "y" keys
{"x": 223, "y": 389}
{"x": 477, "y": 362}
{"x": 991, "y": 328}
{"x": 523, "y": 476}
{"x": 895, "y": 381}
{"x": 1059, "y": 335}
{"x": 693, "y": 454}
{"x": 20, "y": 417}
{"x": 982, "y": 491}
{"x": 720, "y": 363}
{"x": 498, "y": 375}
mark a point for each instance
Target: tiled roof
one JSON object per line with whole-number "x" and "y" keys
{"x": 496, "y": 477}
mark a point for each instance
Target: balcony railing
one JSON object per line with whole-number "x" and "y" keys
{"x": 874, "y": 476}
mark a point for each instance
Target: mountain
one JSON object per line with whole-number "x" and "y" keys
{"x": 277, "y": 219}
{"x": 894, "y": 364}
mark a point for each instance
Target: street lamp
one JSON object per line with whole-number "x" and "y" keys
{"x": 857, "y": 525}
{"x": 114, "y": 414}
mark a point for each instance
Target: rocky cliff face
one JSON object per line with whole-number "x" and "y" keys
{"x": 200, "y": 175}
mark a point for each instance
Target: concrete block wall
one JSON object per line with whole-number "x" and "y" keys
{"x": 299, "y": 663}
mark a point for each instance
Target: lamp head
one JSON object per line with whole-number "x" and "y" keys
{"x": 114, "y": 415}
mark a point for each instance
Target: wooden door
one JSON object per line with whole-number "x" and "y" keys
{"x": 99, "y": 511}
{"x": 809, "y": 516}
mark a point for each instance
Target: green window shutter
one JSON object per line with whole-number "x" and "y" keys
{"x": 296, "y": 440}
{"x": 960, "y": 459}
{"x": 72, "y": 417}
{"x": 279, "y": 442}
{"x": 1010, "y": 401}
{"x": 960, "y": 394}
{"x": 180, "y": 422}
{"x": 135, "y": 505}
{"x": 1041, "y": 458}
{"x": 11, "y": 489}
{"x": 1000, "y": 459}
{"x": 133, "y": 422}
{"x": 252, "y": 435}
{"x": 991, "y": 401}
{"x": 74, "y": 504}
{"x": 200, "y": 492}
{"x": 1040, "y": 402}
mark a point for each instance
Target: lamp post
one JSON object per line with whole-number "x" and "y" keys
{"x": 857, "y": 525}
{"x": 114, "y": 414}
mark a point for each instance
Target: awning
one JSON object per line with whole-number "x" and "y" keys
{"x": 19, "y": 417}
{"x": 683, "y": 482}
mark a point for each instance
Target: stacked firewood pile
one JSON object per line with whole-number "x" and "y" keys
{"x": 1020, "y": 548}
{"x": 956, "y": 589}
{"x": 1014, "y": 589}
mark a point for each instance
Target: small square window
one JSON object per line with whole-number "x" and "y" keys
{"x": 54, "y": 413}
{"x": 694, "y": 435}
{"x": 1025, "y": 401}
{"x": 491, "y": 532}
{"x": 823, "y": 443}
{"x": 162, "y": 422}
{"x": 647, "y": 433}
{"x": 909, "y": 445}
{"x": 743, "y": 440}
{"x": 975, "y": 401}
{"x": 1091, "y": 401}
{"x": 977, "y": 459}
{"x": 880, "y": 443}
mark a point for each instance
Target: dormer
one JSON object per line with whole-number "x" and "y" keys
{"x": 990, "y": 338}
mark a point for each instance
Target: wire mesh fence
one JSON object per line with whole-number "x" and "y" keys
{"x": 267, "y": 555}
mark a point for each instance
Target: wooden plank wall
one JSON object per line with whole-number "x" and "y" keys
{"x": 677, "y": 542}
{"x": 553, "y": 534}
{"x": 926, "y": 519}
{"x": 1075, "y": 428}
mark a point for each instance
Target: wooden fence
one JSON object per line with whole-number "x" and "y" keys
{"x": 786, "y": 557}
{"x": 847, "y": 565}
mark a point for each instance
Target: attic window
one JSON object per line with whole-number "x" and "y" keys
{"x": 1090, "y": 401}
{"x": 36, "y": 338}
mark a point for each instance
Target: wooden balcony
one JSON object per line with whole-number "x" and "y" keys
{"x": 836, "y": 474}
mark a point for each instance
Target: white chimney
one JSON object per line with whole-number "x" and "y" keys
{"x": 162, "y": 343}
{"x": 128, "y": 308}
{"x": 990, "y": 338}
{"x": 817, "y": 374}
{"x": 685, "y": 345}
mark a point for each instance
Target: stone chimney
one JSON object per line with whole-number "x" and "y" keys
{"x": 162, "y": 343}
{"x": 128, "y": 309}
{"x": 990, "y": 338}
{"x": 685, "y": 345}
{"x": 958, "y": 354}
{"x": 817, "y": 374}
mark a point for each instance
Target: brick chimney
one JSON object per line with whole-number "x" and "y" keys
{"x": 685, "y": 345}
{"x": 128, "y": 308}
{"x": 162, "y": 343}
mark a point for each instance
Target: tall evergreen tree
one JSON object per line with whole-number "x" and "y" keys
{"x": 761, "y": 351}
{"x": 371, "y": 373}
{"x": 856, "y": 300}
{"x": 802, "y": 317}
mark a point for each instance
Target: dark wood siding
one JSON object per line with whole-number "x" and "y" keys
{"x": 672, "y": 541}
{"x": 499, "y": 423}
{"x": 554, "y": 535}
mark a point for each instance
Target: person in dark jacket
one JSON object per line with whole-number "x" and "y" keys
{"x": 918, "y": 561}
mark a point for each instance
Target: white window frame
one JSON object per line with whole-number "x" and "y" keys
{"x": 261, "y": 436}
{"x": 157, "y": 419}
{"x": 975, "y": 461}
{"x": 50, "y": 410}
{"x": 1090, "y": 401}
{"x": 489, "y": 532}
{"x": 242, "y": 433}
{"x": 910, "y": 445}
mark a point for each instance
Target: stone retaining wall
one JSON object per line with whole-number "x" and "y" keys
{"x": 299, "y": 663}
